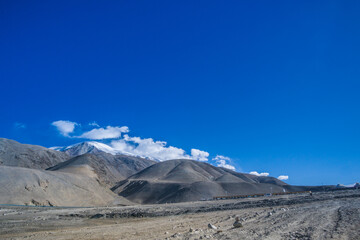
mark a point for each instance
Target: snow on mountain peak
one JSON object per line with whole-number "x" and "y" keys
{"x": 86, "y": 147}
{"x": 89, "y": 147}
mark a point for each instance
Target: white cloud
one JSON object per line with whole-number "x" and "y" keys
{"x": 199, "y": 155}
{"x": 264, "y": 174}
{"x": 64, "y": 127}
{"x": 122, "y": 146}
{"x": 147, "y": 147}
{"x": 104, "y": 133}
{"x": 157, "y": 150}
{"x": 221, "y": 157}
{"x": 94, "y": 124}
{"x": 221, "y": 162}
{"x": 68, "y": 127}
{"x": 283, "y": 177}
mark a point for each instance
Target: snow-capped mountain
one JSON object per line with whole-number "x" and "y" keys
{"x": 86, "y": 147}
{"x": 93, "y": 147}
{"x": 354, "y": 185}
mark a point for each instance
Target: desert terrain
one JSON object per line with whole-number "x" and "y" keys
{"x": 324, "y": 215}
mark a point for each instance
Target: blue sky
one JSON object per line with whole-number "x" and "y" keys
{"x": 272, "y": 85}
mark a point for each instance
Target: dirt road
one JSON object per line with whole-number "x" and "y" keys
{"x": 329, "y": 215}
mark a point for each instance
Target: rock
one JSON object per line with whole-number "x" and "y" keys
{"x": 44, "y": 184}
{"x": 36, "y": 203}
{"x": 191, "y": 230}
{"x": 175, "y": 235}
{"x": 212, "y": 226}
{"x": 237, "y": 223}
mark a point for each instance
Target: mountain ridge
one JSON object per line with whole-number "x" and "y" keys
{"x": 183, "y": 180}
{"x": 138, "y": 180}
{"x": 94, "y": 147}
{"x": 15, "y": 154}
{"x": 108, "y": 168}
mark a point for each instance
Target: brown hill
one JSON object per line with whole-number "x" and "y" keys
{"x": 24, "y": 186}
{"x": 15, "y": 154}
{"x": 108, "y": 168}
{"x": 187, "y": 180}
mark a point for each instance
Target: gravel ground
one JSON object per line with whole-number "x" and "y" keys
{"x": 327, "y": 215}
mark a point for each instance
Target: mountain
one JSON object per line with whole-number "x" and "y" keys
{"x": 187, "y": 180}
{"x": 355, "y": 185}
{"x": 24, "y": 186}
{"x": 108, "y": 168}
{"x": 94, "y": 147}
{"x": 86, "y": 147}
{"x": 80, "y": 181}
{"x": 15, "y": 154}
{"x": 82, "y": 174}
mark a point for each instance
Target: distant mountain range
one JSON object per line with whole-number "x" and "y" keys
{"x": 92, "y": 173}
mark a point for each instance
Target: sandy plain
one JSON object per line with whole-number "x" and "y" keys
{"x": 324, "y": 215}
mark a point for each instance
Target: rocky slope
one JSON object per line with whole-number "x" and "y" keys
{"x": 15, "y": 154}
{"x": 24, "y": 186}
{"x": 187, "y": 180}
{"x": 108, "y": 168}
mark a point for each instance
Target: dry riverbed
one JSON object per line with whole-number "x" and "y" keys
{"x": 327, "y": 215}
